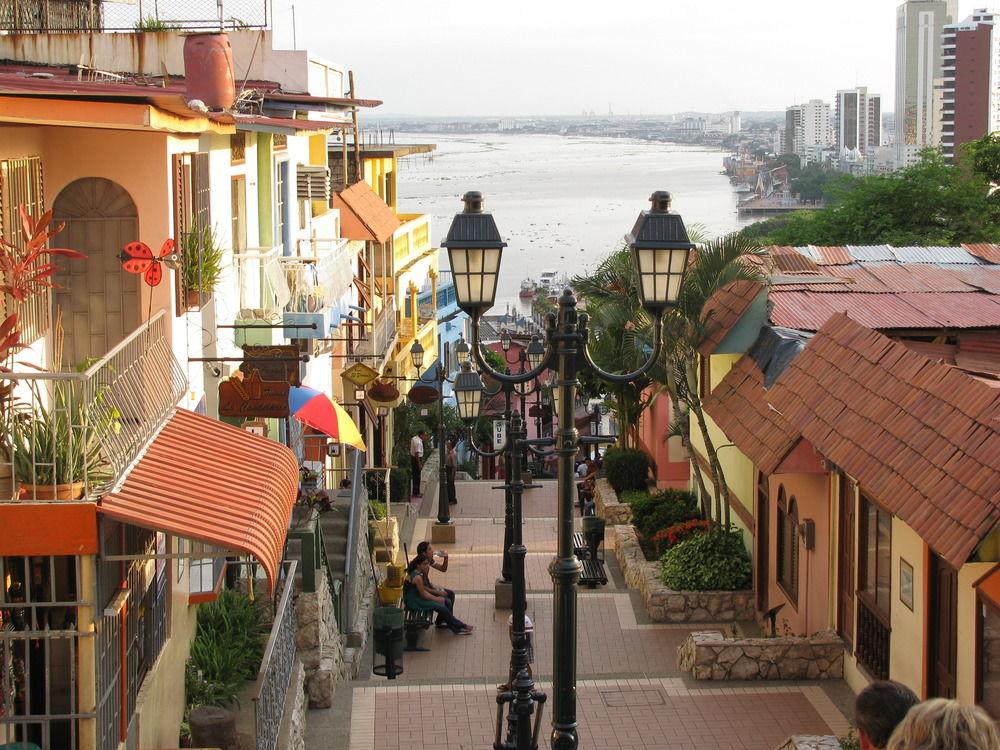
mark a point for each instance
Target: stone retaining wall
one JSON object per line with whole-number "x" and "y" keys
{"x": 709, "y": 655}
{"x": 319, "y": 644}
{"x": 292, "y": 733}
{"x": 664, "y": 605}
{"x": 608, "y": 507}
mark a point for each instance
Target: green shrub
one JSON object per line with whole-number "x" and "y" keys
{"x": 379, "y": 511}
{"x": 663, "y": 509}
{"x": 632, "y": 496}
{"x": 671, "y": 536}
{"x": 399, "y": 484}
{"x": 470, "y": 467}
{"x": 626, "y": 469}
{"x": 716, "y": 561}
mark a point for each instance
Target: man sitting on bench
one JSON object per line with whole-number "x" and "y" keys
{"x": 417, "y": 596}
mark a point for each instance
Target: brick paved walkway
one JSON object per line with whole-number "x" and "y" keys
{"x": 630, "y": 693}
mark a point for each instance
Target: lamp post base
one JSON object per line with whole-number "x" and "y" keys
{"x": 443, "y": 533}
{"x": 503, "y": 594}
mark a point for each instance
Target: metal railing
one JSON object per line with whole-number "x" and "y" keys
{"x": 357, "y": 519}
{"x": 79, "y": 432}
{"x": 28, "y": 16}
{"x": 872, "y": 642}
{"x": 276, "y": 667}
{"x": 263, "y": 287}
{"x": 383, "y": 334}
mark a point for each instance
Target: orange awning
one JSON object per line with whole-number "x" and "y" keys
{"x": 363, "y": 215}
{"x": 211, "y": 482}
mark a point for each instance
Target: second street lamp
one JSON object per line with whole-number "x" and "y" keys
{"x": 660, "y": 249}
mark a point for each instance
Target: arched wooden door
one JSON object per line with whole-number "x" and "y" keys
{"x": 99, "y": 301}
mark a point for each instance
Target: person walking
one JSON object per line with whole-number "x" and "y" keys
{"x": 417, "y": 461}
{"x": 451, "y": 465}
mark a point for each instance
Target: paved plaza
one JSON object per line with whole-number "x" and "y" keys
{"x": 630, "y": 692}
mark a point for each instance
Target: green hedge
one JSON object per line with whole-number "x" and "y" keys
{"x": 661, "y": 510}
{"x": 716, "y": 561}
{"x": 626, "y": 469}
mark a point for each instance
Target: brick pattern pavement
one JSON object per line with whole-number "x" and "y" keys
{"x": 630, "y": 694}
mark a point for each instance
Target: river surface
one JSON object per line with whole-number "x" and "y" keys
{"x": 561, "y": 203}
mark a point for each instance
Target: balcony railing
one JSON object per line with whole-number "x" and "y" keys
{"x": 29, "y": 16}
{"x": 383, "y": 335}
{"x": 79, "y": 432}
{"x": 873, "y": 642}
{"x": 275, "y": 672}
{"x": 411, "y": 240}
{"x": 263, "y": 288}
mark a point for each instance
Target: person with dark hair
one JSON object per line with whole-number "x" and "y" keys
{"x": 879, "y": 709}
{"x": 451, "y": 466}
{"x": 424, "y": 549}
{"x": 418, "y": 595}
{"x": 417, "y": 460}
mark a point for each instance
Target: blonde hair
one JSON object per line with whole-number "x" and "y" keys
{"x": 940, "y": 724}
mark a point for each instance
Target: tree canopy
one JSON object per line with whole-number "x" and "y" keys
{"x": 929, "y": 203}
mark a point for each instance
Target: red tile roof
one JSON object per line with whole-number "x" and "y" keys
{"x": 738, "y": 404}
{"x": 724, "y": 310}
{"x": 921, "y": 437}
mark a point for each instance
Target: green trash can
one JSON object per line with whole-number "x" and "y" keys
{"x": 388, "y": 627}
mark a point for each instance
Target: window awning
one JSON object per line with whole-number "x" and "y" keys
{"x": 211, "y": 482}
{"x": 364, "y": 215}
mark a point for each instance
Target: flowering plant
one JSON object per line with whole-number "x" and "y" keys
{"x": 666, "y": 538}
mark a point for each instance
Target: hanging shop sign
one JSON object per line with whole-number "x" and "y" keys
{"x": 360, "y": 374}
{"x": 275, "y": 363}
{"x": 252, "y": 396}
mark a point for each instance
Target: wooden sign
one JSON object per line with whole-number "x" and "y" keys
{"x": 253, "y": 397}
{"x": 275, "y": 363}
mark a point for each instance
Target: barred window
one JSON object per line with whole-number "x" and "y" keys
{"x": 788, "y": 546}
{"x": 21, "y": 184}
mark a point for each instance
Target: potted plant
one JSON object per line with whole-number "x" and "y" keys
{"x": 201, "y": 265}
{"x": 56, "y": 449}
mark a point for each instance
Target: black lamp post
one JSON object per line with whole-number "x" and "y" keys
{"x": 660, "y": 249}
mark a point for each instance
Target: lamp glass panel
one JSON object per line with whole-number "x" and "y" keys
{"x": 678, "y": 260}
{"x": 674, "y": 288}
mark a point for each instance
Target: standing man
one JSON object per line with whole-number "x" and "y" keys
{"x": 451, "y": 465}
{"x": 425, "y": 550}
{"x": 417, "y": 460}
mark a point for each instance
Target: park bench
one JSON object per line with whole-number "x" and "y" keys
{"x": 594, "y": 573}
{"x": 414, "y": 621}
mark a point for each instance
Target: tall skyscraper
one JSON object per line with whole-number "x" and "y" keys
{"x": 919, "y": 24}
{"x": 970, "y": 91}
{"x": 807, "y": 125}
{"x": 858, "y": 120}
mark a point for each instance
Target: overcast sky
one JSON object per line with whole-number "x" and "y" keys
{"x": 555, "y": 57}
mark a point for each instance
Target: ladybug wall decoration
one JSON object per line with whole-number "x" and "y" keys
{"x": 137, "y": 258}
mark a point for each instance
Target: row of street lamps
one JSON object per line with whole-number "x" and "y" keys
{"x": 660, "y": 249}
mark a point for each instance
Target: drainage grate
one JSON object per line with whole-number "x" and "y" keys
{"x": 625, "y": 698}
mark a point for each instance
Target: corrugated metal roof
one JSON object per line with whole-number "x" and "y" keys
{"x": 209, "y": 481}
{"x": 914, "y": 277}
{"x": 871, "y": 253}
{"x": 790, "y": 259}
{"x": 957, "y": 310}
{"x": 920, "y": 437}
{"x": 984, "y": 251}
{"x": 831, "y": 256}
{"x": 984, "y": 277}
{"x": 933, "y": 255}
{"x": 809, "y": 310}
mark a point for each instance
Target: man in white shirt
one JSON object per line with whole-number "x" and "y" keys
{"x": 417, "y": 460}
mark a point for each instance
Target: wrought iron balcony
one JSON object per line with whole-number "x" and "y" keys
{"x": 73, "y": 435}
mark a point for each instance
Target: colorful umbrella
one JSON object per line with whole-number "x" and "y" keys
{"x": 315, "y": 409}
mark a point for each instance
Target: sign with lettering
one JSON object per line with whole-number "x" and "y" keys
{"x": 253, "y": 396}
{"x": 360, "y": 374}
{"x": 499, "y": 432}
{"x": 275, "y": 363}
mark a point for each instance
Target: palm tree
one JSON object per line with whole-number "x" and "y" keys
{"x": 622, "y": 332}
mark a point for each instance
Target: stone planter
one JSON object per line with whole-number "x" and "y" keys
{"x": 664, "y": 605}
{"x": 608, "y": 506}
{"x": 709, "y": 655}
{"x": 811, "y": 742}
{"x": 385, "y": 533}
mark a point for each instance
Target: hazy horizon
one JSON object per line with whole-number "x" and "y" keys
{"x": 519, "y": 58}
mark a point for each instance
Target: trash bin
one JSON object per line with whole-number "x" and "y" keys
{"x": 388, "y": 643}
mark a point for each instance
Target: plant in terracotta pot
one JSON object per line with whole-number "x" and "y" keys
{"x": 202, "y": 264}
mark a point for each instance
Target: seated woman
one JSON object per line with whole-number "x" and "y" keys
{"x": 418, "y": 594}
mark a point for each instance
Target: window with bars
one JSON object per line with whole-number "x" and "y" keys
{"x": 21, "y": 184}
{"x": 788, "y": 546}
{"x": 874, "y": 604}
{"x": 192, "y": 206}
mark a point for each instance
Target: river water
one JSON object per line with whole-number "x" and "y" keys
{"x": 561, "y": 203}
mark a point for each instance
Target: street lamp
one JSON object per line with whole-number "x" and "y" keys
{"x": 468, "y": 390}
{"x": 462, "y": 351}
{"x": 660, "y": 249}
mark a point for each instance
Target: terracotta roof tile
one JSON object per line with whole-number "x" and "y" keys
{"x": 724, "y": 309}
{"x": 921, "y": 437}
{"x": 738, "y": 404}
{"x": 364, "y": 215}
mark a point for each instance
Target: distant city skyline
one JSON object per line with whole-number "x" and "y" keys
{"x": 558, "y": 58}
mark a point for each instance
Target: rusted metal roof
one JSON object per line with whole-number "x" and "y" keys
{"x": 790, "y": 260}
{"x": 205, "y": 480}
{"x": 831, "y": 256}
{"x": 808, "y": 310}
{"x": 984, "y": 251}
{"x": 307, "y": 99}
{"x": 365, "y": 216}
{"x": 922, "y": 438}
{"x": 738, "y": 405}
{"x": 724, "y": 310}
